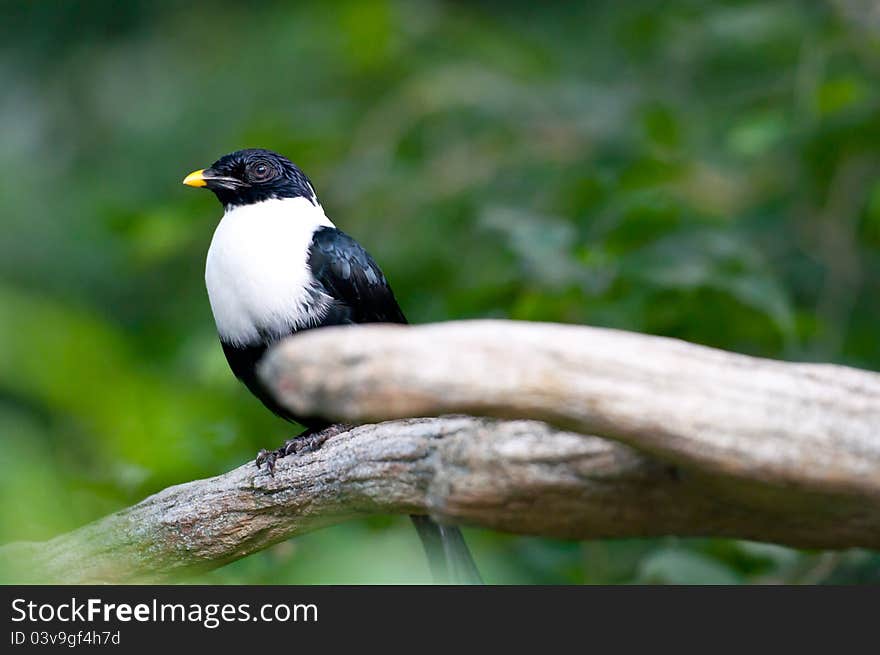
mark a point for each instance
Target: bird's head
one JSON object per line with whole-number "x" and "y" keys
{"x": 253, "y": 175}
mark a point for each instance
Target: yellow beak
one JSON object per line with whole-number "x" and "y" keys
{"x": 196, "y": 179}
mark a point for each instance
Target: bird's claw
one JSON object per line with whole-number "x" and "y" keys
{"x": 268, "y": 458}
{"x": 306, "y": 442}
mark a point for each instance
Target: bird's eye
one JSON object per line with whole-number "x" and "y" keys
{"x": 260, "y": 172}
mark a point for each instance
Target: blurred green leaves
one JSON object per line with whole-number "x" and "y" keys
{"x": 707, "y": 171}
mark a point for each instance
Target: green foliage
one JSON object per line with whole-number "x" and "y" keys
{"x": 701, "y": 170}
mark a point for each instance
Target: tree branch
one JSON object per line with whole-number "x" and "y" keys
{"x": 515, "y": 476}
{"x": 812, "y": 428}
{"x": 703, "y": 442}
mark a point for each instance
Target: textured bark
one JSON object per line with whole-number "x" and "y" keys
{"x": 693, "y": 441}
{"x": 803, "y": 431}
{"x": 516, "y": 476}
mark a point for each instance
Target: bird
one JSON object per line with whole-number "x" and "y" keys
{"x": 278, "y": 266}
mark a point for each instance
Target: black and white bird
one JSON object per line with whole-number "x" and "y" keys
{"x": 277, "y": 266}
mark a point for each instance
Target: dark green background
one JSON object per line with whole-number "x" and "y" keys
{"x": 708, "y": 171}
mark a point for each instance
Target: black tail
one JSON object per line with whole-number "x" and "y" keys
{"x": 448, "y": 555}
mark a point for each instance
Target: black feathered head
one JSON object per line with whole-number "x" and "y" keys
{"x": 248, "y": 176}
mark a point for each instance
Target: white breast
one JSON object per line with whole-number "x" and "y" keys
{"x": 257, "y": 271}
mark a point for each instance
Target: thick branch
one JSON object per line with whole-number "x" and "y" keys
{"x": 705, "y": 443}
{"x": 518, "y": 476}
{"x": 785, "y": 433}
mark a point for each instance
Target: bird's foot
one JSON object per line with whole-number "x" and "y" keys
{"x": 306, "y": 442}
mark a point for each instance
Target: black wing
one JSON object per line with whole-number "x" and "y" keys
{"x": 350, "y": 276}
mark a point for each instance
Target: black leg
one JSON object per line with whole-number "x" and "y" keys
{"x": 305, "y": 442}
